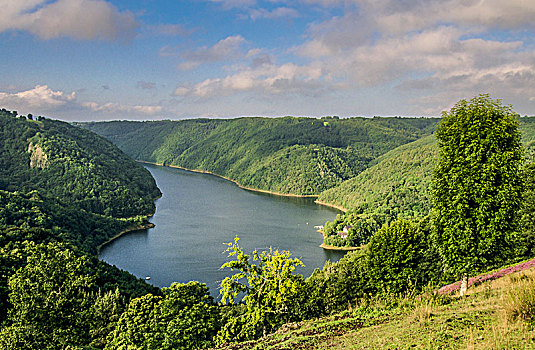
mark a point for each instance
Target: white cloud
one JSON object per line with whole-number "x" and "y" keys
{"x": 42, "y": 99}
{"x": 226, "y": 49}
{"x": 39, "y": 98}
{"x": 78, "y": 19}
{"x": 429, "y": 53}
{"x": 268, "y": 78}
{"x": 113, "y": 107}
{"x": 279, "y": 12}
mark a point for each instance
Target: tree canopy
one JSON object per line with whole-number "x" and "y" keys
{"x": 477, "y": 183}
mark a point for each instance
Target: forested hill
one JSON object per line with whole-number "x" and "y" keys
{"x": 67, "y": 179}
{"x": 396, "y": 185}
{"x": 63, "y": 192}
{"x": 289, "y": 155}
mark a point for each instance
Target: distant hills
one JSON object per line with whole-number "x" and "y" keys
{"x": 302, "y": 156}
{"x": 377, "y": 168}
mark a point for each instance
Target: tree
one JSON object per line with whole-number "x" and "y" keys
{"x": 395, "y": 254}
{"x": 271, "y": 290}
{"x": 184, "y": 318}
{"x": 477, "y": 184}
{"x": 51, "y": 298}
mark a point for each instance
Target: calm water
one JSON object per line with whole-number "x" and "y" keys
{"x": 198, "y": 213}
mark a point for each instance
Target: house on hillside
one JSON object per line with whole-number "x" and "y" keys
{"x": 343, "y": 234}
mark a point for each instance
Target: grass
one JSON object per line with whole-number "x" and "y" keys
{"x": 497, "y": 314}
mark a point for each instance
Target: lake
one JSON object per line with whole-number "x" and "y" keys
{"x": 198, "y": 213}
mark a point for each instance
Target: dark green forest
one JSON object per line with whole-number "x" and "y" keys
{"x": 68, "y": 190}
{"x": 63, "y": 192}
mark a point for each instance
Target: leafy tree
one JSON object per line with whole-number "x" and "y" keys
{"x": 337, "y": 285}
{"x": 476, "y": 184}
{"x": 52, "y": 300}
{"x": 399, "y": 257}
{"x": 184, "y": 318}
{"x": 271, "y": 292}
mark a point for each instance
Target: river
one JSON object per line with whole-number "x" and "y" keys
{"x": 198, "y": 213}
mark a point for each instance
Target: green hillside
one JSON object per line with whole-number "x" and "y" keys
{"x": 396, "y": 185}
{"x": 302, "y": 156}
{"x": 63, "y": 192}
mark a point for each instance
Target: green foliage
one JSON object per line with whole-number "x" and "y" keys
{"x": 401, "y": 258}
{"x": 185, "y": 317}
{"x": 524, "y": 242}
{"x": 288, "y": 155}
{"x": 63, "y": 192}
{"x": 360, "y": 227}
{"x": 73, "y": 165}
{"x": 395, "y": 186}
{"x": 338, "y": 285}
{"x": 54, "y": 301}
{"x": 271, "y": 292}
{"x": 477, "y": 183}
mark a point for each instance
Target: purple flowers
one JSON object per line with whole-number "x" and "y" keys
{"x": 488, "y": 277}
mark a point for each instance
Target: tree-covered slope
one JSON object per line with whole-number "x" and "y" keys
{"x": 396, "y": 185}
{"x": 301, "y": 156}
{"x": 73, "y": 165}
{"x": 63, "y": 192}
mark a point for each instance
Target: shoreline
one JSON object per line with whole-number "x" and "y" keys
{"x": 125, "y": 231}
{"x": 339, "y": 207}
{"x": 331, "y": 247}
{"x": 237, "y": 183}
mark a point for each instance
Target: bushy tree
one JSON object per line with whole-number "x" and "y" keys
{"x": 398, "y": 257}
{"x": 52, "y": 298}
{"x": 184, "y": 318}
{"x": 337, "y": 285}
{"x": 271, "y": 292}
{"x": 477, "y": 184}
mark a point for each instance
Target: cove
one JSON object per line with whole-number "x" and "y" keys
{"x": 198, "y": 213}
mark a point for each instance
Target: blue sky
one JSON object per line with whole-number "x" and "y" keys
{"x": 82, "y": 60}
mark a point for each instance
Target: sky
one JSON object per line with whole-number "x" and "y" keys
{"x": 82, "y": 60}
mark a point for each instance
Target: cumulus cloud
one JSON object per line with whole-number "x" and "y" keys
{"x": 41, "y": 97}
{"x": 430, "y": 53}
{"x": 226, "y": 49}
{"x": 268, "y": 78}
{"x": 78, "y": 19}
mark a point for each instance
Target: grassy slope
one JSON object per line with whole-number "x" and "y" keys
{"x": 482, "y": 320}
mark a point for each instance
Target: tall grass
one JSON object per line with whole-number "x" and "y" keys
{"x": 519, "y": 300}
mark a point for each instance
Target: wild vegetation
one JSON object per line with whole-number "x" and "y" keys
{"x": 302, "y": 156}
{"x": 397, "y": 185}
{"x": 56, "y": 294}
{"x": 63, "y": 192}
